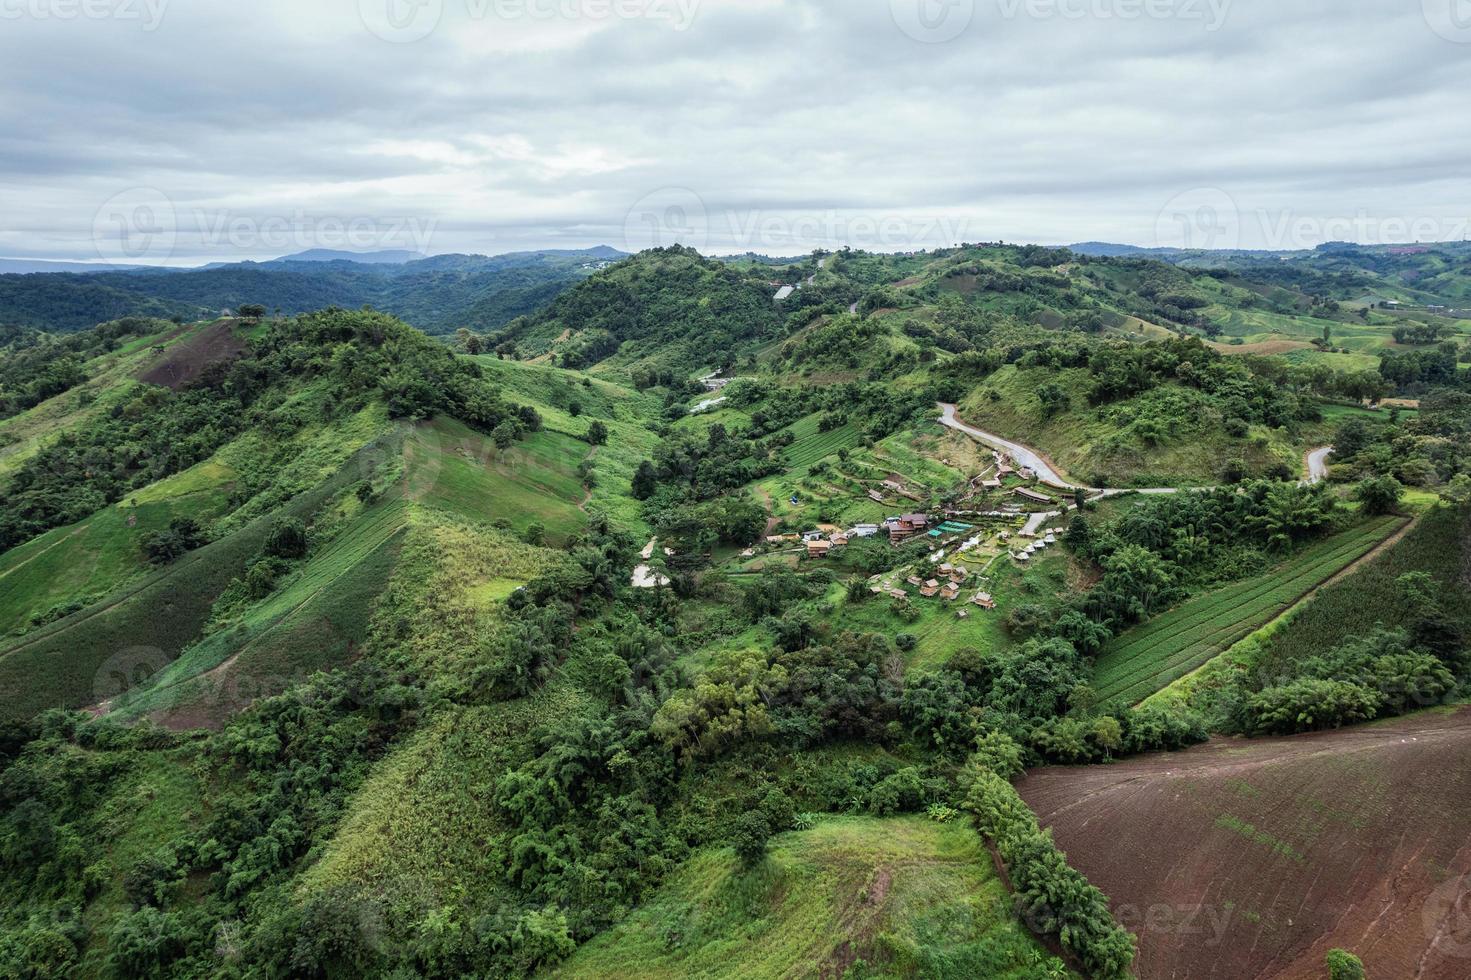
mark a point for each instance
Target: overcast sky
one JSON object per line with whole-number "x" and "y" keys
{"x": 180, "y": 131}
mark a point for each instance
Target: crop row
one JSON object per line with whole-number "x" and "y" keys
{"x": 1178, "y": 642}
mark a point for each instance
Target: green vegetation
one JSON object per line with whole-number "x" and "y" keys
{"x": 898, "y": 897}
{"x": 437, "y": 295}
{"x": 494, "y": 657}
{"x": 1053, "y": 897}
{"x": 1147, "y": 659}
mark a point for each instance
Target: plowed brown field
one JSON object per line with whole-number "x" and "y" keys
{"x": 185, "y": 361}
{"x": 1252, "y": 859}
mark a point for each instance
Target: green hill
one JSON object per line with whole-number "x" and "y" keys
{"x": 664, "y": 313}
{"x": 330, "y": 649}
{"x": 884, "y": 898}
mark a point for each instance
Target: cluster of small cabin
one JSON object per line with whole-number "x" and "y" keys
{"x": 907, "y": 526}
{"x": 946, "y": 585}
{"x": 1041, "y": 544}
{"x": 825, "y": 538}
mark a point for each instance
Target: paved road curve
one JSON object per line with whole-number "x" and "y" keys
{"x": 1318, "y": 464}
{"x": 1317, "y": 460}
{"x": 1031, "y": 459}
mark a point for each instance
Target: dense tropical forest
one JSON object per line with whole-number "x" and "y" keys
{"x": 640, "y": 624}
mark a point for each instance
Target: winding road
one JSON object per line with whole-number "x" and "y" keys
{"x": 1318, "y": 464}
{"x": 1025, "y": 456}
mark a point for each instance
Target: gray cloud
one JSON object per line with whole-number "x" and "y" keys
{"x": 776, "y": 125}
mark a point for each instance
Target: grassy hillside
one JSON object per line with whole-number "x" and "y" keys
{"x": 880, "y": 898}
{"x": 1171, "y": 436}
{"x": 664, "y": 310}
{"x": 503, "y": 659}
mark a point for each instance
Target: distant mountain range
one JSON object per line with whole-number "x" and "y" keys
{"x": 30, "y": 266}
{"x": 438, "y": 294}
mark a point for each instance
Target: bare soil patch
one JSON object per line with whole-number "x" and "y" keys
{"x": 1252, "y": 859}
{"x": 182, "y": 363}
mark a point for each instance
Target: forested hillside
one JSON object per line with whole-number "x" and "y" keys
{"x": 438, "y": 295}
{"x": 670, "y": 629}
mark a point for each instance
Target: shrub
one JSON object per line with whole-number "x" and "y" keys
{"x": 1379, "y": 495}
{"x": 287, "y": 539}
{"x": 1311, "y": 704}
{"x": 183, "y": 536}
{"x": 1343, "y": 965}
{"x": 751, "y": 838}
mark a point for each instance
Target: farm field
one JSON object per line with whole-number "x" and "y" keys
{"x": 916, "y": 456}
{"x": 1146, "y": 659}
{"x": 1240, "y": 860}
{"x": 97, "y": 652}
{"x": 1437, "y": 545}
{"x": 908, "y": 897}
{"x": 813, "y": 446}
{"x": 312, "y": 622}
{"x": 47, "y": 575}
{"x": 451, "y": 466}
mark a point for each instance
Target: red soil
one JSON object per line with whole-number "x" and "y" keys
{"x": 1252, "y": 859}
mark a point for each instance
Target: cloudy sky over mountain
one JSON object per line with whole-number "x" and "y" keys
{"x": 182, "y": 131}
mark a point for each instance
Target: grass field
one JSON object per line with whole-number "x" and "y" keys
{"x": 1170, "y": 646}
{"x": 451, "y": 466}
{"x": 106, "y": 648}
{"x": 313, "y": 621}
{"x": 626, "y": 413}
{"x": 108, "y": 384}
{"x": 813, "y": 447}
{"x": 73, "y": 566}
{"x": 940, "y": 632}
{"x": 1371, "y": 596}
{"x": 906, "y": 896}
